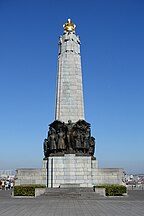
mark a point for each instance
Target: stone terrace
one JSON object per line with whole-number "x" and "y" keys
{"x": 132, "y": 205}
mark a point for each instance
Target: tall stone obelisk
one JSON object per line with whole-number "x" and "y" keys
{"x": 69, "y": 96}
{"x": 69, "y": 147}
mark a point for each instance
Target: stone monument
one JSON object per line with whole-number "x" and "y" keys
{"x": 69, "y": 133}
{"x": 69, "y": 147}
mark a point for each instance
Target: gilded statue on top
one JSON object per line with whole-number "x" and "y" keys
{"x": 69, "y": 26}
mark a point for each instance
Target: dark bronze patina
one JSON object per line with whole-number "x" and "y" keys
{"x": 69, "y": 138}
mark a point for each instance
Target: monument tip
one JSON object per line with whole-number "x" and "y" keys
{"x": 69, "y": 26}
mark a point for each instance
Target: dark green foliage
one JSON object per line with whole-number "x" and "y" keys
{"x": 26, "y": 190}
{"x": 113, "y": 190}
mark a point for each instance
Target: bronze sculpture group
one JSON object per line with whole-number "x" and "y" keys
{"x": 69, "y": 138}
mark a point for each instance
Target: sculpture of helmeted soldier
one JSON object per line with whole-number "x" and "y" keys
{"x": 92, "y": 146}
{"x": 69, "y": 138}
{"x": 46, "y": 148}
{"x": 52, "y": 140}
{"x": 86, "y": 140}
{"x": 61, "y": 140}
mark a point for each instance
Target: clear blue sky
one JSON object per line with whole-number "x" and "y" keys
{"x": 112, "y": 49}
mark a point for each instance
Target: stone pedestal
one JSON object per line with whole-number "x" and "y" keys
{"x": 69, "y": 169}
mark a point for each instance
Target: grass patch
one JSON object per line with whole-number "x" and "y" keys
{"x": 26, "y": 190}
{"x": 113, "y": 190}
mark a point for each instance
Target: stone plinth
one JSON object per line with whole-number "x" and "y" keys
{"x": 69, "y": 169}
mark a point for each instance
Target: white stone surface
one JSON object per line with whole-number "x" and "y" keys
{"x": 102, "y": 176}
{"x": 31, "y": 176}
{"x": 69, "y": 96}
{"x": 70, "y": 169}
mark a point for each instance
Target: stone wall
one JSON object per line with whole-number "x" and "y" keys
{"x": 31, "y": 176}
{"x": 70, "y": 169}
{"x": 102, "y": 176}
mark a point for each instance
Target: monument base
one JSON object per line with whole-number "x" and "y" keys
{"x": 79, "y": 170}
{"x": 67, "y": 170}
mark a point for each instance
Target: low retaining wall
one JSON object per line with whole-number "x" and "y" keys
{"x": 100, "y": 191}
{"x": 31, "y": 176}
{"x": 39, "y": 191}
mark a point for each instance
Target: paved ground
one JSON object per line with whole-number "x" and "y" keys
{"x": 133, "y": 205}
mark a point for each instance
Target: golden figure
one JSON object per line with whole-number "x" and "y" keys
{"x": 69, "y": 26}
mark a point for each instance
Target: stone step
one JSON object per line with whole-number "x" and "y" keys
{"x": 70, "y": 185}
{"x": 79, "y": 193}
{"x": 91, "y": 196}
{"x": 80, "y": 189}
{"x": 55, "y": 194}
